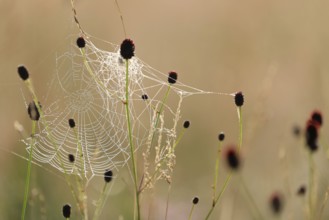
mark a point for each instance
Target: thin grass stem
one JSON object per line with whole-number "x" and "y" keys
{"x": 28, "y": 174}
{"x": 216, "y": 172}
{"x": 227, "y": 180}
{"x": 132, "y": 149}
{"x": 240, "y": 128}
{"x": 191, "y": 212}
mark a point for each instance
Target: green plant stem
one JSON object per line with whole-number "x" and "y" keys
{"x": 132, "y": 149}
{"x": 80, "y": 180}
{"x": 191, "y": 212}
{"x": 240, "y": 128}
{"x": 227, "y": 180}
{"x": 216, "y": 172}
{"x": 28, "y": 174}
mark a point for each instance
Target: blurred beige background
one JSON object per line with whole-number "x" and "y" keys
{"x": 276, "y": 52}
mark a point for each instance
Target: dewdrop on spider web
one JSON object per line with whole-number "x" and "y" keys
{"x": 89, "y": 85}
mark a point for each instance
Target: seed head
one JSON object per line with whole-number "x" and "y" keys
{"x": 301, "y": 191}
{"x": 232, "y": 158}
{"x": 195, "y": 200}
{"x": 239, "y": 99}
{"x": 71, "y": 123}
{"x": 71, "y": 158}
{"x": 276, "y": 203}
{"x": 66, "y": 211}
{"x": 127, "y": 49}
{"x": 23, "y": 73}
{"x": 172, "y": 77}
{"x": 186, "y": 124}
{"x": 81, "y": 42}
{"x": 108, "y": 175}
{"x": 296, "y": 130}
{"x": 317, "y": 117}
{"x": 311, "y": 135}
{"x": 33, "y": 111}
{"x": 221, "y": 136}
{"x": 145, "y": 97}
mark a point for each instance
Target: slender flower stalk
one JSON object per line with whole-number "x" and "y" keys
{"x": 131, "y": 144}
{"x": 28, "y": 174}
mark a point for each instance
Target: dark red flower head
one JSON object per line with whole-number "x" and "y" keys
{"x": 81, "y": 43}
{"x": 232, "y": 158}
{"x": 66, "y": 211}
{"x": 33, "y": 111}
{"x": 23, "y": 73}
{"x": 239, "y": 99}
{"x": 172, "y": 77}
{"x": 316, "y": 116}
{"x": 127, "y": 49}
{"x": 276, "y": 203}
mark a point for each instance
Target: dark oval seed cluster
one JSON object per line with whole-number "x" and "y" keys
{"x": 186, "y": 124}
{"x": 232, "y": 158}
{"x": 145, "y": 97}
{"x": 313, "y": 126}
{"x": 81, "y": 43}
{"x": 276, "y": 203}
{"x": 23, "y": 73}
{"x": 71, "y": 158}
{"x": 195, "y": 200}
{"x": 66, "y": 211}
{"x": 172, "y": 77}
{"x": 221, "y": 136}
{"x": 33, "y": 111}
{"x": 108, "y": 175}
{"x": 71, "y": 123}
{"x": 127, "y": 49}
{"x": 239, "y": 99}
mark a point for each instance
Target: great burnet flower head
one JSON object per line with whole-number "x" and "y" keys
{"x": 33, "y": 111}
{"x": 186, "y": 124}
{"x": 232, "y": 158}
{"x": 172, "y": 77}
{"x": 108, "y": 175}
{"x": 239, "y": 99}
{"x": 66, "y": 211}
{"x": 316, "y": 117}
{"x": 127, "y": 49}
{"x": 195, "y": 200}
{"x": 23, "y": 73}
{"x": 81, "y": 43}
{"x": 221, "y": 136}
{"x": 311, "y": 135}
{"x": 71, "y": 158}
{"x": 71, "y": 123}
{"x": 276, "y": 203}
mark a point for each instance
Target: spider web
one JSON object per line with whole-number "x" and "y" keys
{"x": 90, "y": 89}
